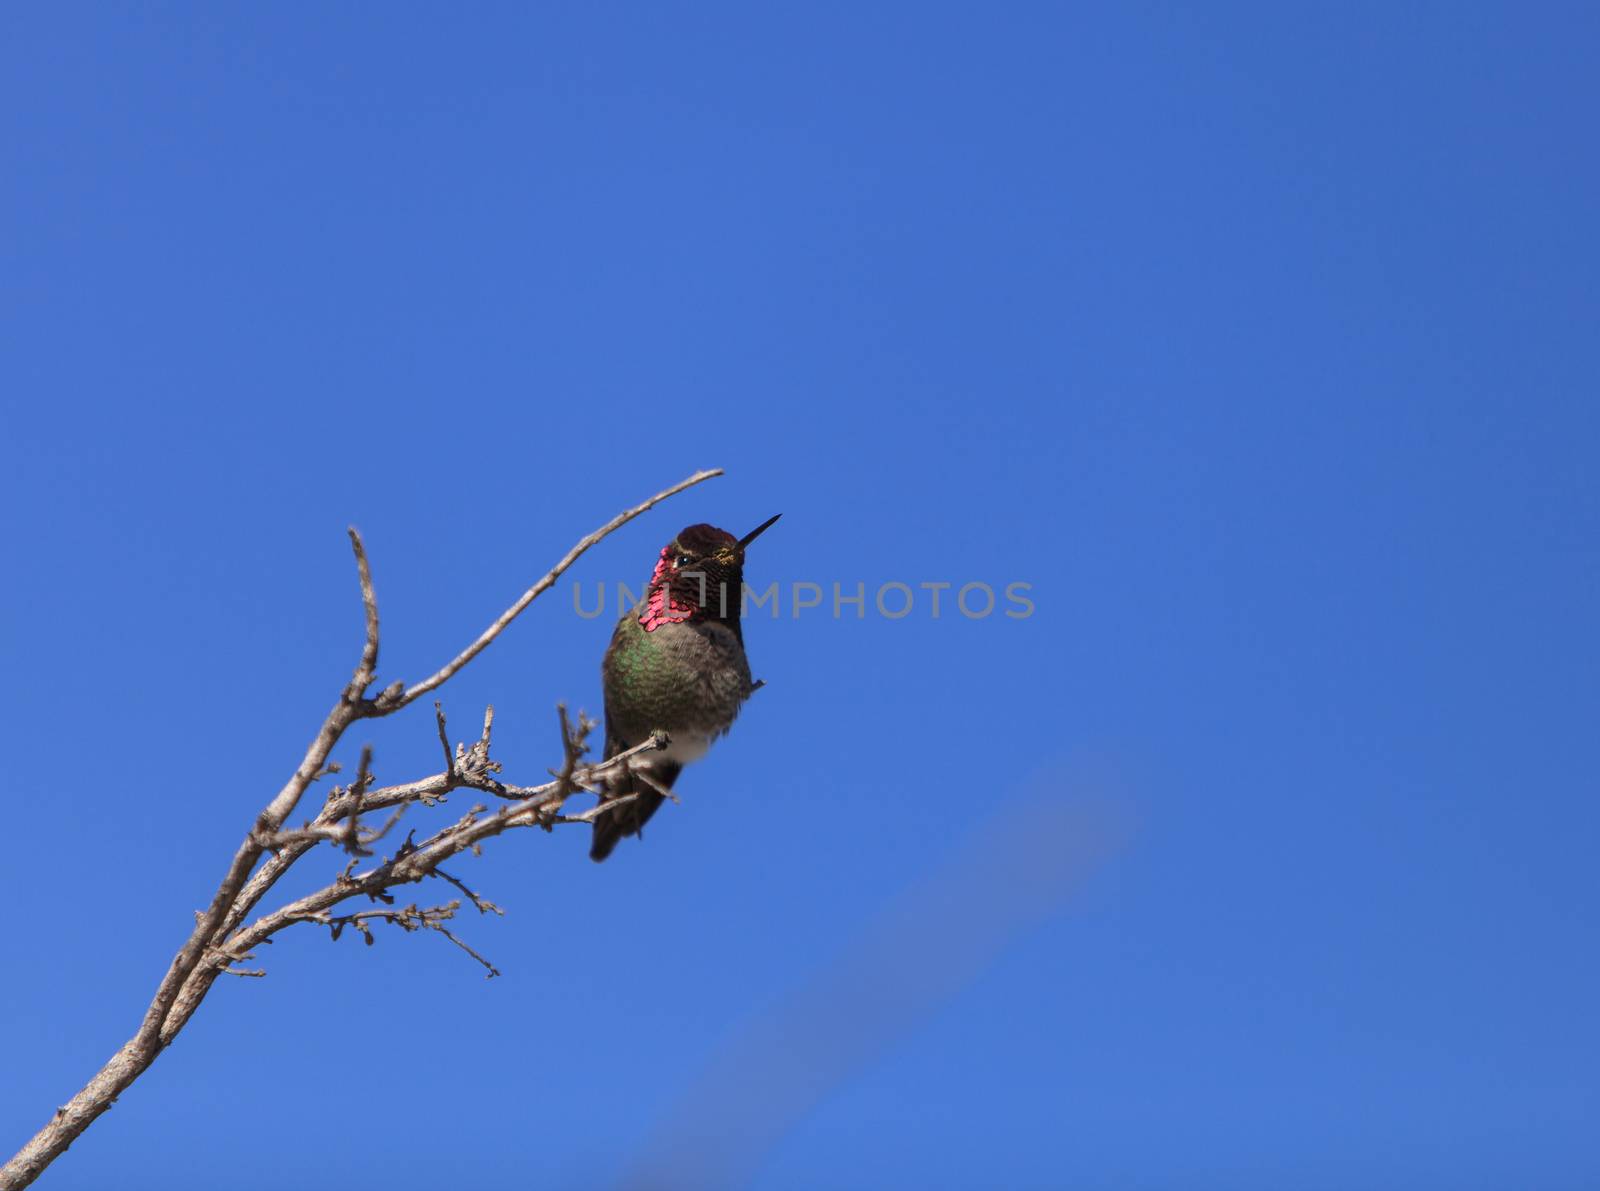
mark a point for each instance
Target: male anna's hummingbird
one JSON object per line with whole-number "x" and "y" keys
{"x": 675, "y": 663}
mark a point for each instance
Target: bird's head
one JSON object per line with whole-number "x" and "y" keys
{"x": 699, "y": 575}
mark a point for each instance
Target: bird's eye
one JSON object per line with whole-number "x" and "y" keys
{"x": 684, "y": 560}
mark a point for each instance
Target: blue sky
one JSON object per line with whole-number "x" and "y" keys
{"x": 1259, "y": 340}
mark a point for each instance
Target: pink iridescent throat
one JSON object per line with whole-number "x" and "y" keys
{"x": 660, "y": 608}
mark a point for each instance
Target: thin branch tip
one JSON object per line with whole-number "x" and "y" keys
{"x": 450, "y": 668}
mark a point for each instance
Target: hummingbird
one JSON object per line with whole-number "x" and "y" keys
{"x": 676, "y": 663}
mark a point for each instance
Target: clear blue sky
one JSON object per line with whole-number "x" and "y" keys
{"x": 1260, "y": 340}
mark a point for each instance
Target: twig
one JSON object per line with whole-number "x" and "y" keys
{"x": 443, "y": 674}
{"x": 408, "y": 918}
{"x": 444, "y": 737}
{"x": 493, "y": 971}
{"x": 351, "y": 841}
{"x": 368, "y": 665}
{"x": 480, "y": 903}
{"x": 589, "y": 816}
{"x": 642, "y": 774}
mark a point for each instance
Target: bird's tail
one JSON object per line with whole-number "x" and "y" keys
{"x": 631, "y": 816}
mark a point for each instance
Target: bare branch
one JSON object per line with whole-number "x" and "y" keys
{"x": 493, "y": 971}
{"x": 413, "y": 862}
{"x": 642, "y": 774}
{"x": 444, "y": 737}
{"x": 147, "y": 1042}
{"x": 351, "y": 840}
{"x": 225, "y": 959}
{"x": 203, "y": 957}
{"x": 574, "y": 745}
{"x": 368, "y": 665}
{"x": 433, "y": 789}
{"x": 589, "y": 816}
{"x": 410, "y": 918}
{"x": 480, "y": 903}
{"x": 443, "y": 674}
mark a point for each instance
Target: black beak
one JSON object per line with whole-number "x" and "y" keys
{"x": 758, "y": 531}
